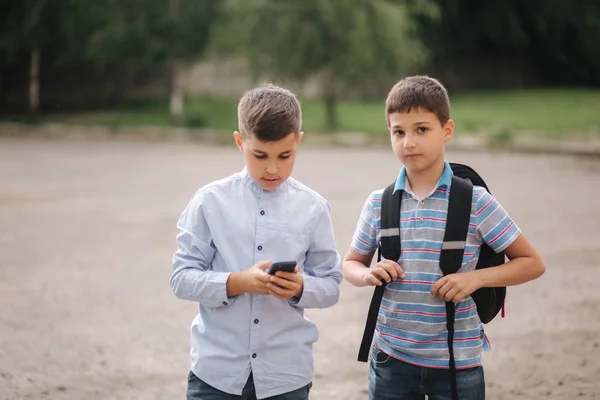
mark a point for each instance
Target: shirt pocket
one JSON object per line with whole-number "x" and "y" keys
{"x": 288, "y": 243}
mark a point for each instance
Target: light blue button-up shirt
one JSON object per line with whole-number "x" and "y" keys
{"x": 228, "y": 226}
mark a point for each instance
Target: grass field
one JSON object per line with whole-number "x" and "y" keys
{"x": 552, "y": 113}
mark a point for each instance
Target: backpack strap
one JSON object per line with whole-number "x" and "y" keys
{"x": 389, "y": 248}
{"x": 453, "y": 249}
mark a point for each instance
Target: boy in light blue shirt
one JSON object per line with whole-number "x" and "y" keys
{"x": 250, "y": 339}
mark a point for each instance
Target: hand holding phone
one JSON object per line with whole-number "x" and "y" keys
{"x": 285, "y": 266}
{"x": 286, "y": 280}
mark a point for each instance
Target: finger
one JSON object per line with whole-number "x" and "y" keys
{"x": 443, "y": 290}
{"x": 263, "y": 290}
{"x": 390, "y": 269}
{"x": 460, "y": 296}
{"x": 381, "y": 273}
{"x": 264, "y": 265}
{"x": 274, "y": 289}
{"x": 396, "y": 268}
{"x": 283, "y": 292}
{"x": 399, "y": 270}
{"x": 284, "y": 283}
{"x": 373, "y": 280}
{"x": 290, "y": 276}
{"x": 259, "y": 289}
{"x": 436, "y": 286}
{"x": 263, "y": 278}
{"x": 451, "y": 293}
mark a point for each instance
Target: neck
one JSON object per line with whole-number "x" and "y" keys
{"x": 423, "y": 182}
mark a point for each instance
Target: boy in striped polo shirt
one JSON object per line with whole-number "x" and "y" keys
{"x": 410, "y": 355}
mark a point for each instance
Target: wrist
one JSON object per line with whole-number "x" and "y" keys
{"x": 298, "y": 294}
{"x": 236, "y": 284}
{"x": 364, "y": 276}
{"x": 478, "y": 279}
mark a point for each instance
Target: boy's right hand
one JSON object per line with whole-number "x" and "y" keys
{"x": 256, "y": 279}
{"x": 384, "y": 270}
{"x": 252, "y": 280}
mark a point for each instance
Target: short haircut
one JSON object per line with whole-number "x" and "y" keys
{"x": 414, "y": 92}
{"x": 270, "y": 113}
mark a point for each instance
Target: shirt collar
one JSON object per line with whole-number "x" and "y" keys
{"x": 445, "y": 179}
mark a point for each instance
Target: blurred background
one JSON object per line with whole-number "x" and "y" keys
{"x": 512, "y": 67}
{"x": 89, "y": 198}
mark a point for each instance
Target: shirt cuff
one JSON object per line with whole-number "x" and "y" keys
{"x": 304, "y": 301}
{"x": 220, "y": 296}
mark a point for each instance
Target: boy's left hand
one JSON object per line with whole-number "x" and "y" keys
{"x": 285, "y": 285}
{"x": 455, "y": 287}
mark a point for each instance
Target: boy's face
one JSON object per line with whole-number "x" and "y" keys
{"x": 269, "y": 163}
{"x": 418, "y": 138}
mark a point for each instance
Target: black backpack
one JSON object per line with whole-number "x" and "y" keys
{"x": 489, "y": 301}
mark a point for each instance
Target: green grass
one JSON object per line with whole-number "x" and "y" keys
{"x": 548, "y": 112}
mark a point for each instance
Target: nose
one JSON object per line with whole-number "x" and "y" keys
{"x": 271, "y": 168}
{"x": 409, "y": 141}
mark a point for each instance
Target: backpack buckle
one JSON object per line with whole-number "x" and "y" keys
{"x": 454, "y": 245}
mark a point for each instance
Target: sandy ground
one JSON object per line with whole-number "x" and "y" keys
{"x": 87, "y": 234}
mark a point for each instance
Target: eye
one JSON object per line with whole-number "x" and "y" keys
{"x": 260, "y": 157}
{"x": 284, "y": 157}
{"x": 399, "y": 133}
{"x": 421, "y": 129}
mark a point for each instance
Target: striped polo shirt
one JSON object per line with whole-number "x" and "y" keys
{"x": 411, "y": 324}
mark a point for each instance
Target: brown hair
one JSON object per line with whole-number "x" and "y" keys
{"x": 415, "y": 92}
{"x": 270, "y": 113}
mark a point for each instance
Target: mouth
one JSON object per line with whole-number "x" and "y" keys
{"x": 270, "y": 180}
{"x": 411, "y": 155}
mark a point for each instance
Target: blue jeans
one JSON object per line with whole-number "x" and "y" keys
{"x": 199, "y": 390}
{"x": 392, "y": 379}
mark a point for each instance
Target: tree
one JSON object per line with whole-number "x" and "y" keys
{"x": 557, "y": 36}
{"x": 156, "y": 32}
{"x": 26, "y": 30}
{"x": 346, "y": 42}
{"x": 45, "y": 30}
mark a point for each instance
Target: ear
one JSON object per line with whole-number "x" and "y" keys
{"x": 299, "y": 139}
{"x": 448, "y": 130}
{"x": 239, "y": 140}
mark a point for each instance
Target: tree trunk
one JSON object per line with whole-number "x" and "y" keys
{"x": 177, "y": 90}
{"x": 177, "y": 93}
{"x": 330, "y": 99}
{"x": 34, "y": 62}
{"x": 34, "y": 81}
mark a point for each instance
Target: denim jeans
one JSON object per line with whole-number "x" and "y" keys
{"x": 200, "y": 390}
{"x": 392, "y": 379}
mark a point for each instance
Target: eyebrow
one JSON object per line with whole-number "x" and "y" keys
{"x": 262, "y": 153}
{"x": 416, "y": 123}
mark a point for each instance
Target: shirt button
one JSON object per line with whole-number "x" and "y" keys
{"x": 422, "y": 203}
{"x": 254, "y": 355}
{"x": 259, "y": 248}
{"x": 256, "y": 321}
{"x": 224, "y": 303}
{"x": 262, "y": 212}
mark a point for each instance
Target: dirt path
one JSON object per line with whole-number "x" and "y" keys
{"x": 87, "y": 234}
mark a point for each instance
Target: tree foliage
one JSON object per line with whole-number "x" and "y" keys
{"x": 348, "y": 42}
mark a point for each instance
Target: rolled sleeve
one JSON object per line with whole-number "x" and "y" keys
{"x": 191, "y": 277}
{"x": 322, "y": 272}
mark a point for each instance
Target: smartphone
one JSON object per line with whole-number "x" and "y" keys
{"x": 285, "y": 266}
